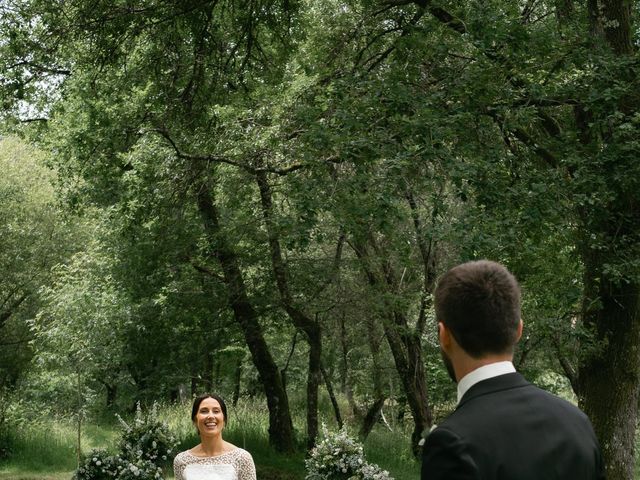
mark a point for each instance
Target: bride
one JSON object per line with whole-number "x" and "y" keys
{"x": 213, "y": 458}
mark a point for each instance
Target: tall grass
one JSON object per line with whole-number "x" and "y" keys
{"x": 391, "y": 451}
{"x": 47, "y": 449}
{"x": 49, "y": 445}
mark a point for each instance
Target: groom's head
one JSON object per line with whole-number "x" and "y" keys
{"x": 479, "y": 304}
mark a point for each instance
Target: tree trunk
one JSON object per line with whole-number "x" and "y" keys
{"x": 609, "y": 380}
{"x": 408, "y": 359}
{"x": 332, "y": 396}
{"x": 236, "y": 382}
{"x": 79, "y": 429}
{"x": 564, "y": 11}
{"x": 314, "y": 376}
{"x": 9, "y": 310}
{"x": 194, "y": 386}
{"x": 617, "y": 25}
{"x": 207, "y": 371}
{"x": 345, "y": 384}
{"x": 280, "y": 424}
{"x": 371, "y": 417}
{"x": 345, "y": 375}
{"x": 112, "y": 391}
{"x": 406, "y": 350}
{"x": 302, "y": 321}
{"x": 372, "y": 414}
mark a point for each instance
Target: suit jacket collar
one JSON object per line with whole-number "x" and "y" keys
{"x": 494, "y": 384}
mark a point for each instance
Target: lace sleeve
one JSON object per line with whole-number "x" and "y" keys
{"x": 178, "y": 467}
{"x": 246, "y": 467}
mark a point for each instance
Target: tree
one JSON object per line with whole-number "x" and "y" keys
{"x": 564, "y": 99}
{"x": 34, "y": 237}
{"x": 213, "y": 52}
{"x": 308, "y": 153}
{"x": 79, "y": 329}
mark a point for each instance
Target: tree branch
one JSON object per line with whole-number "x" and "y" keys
{"x": 4, "y": 316}
{"x": 548, "y": 123}
{"x": 218, "y": 159}
{"x": 526, "y": 139}
{"x": 568, "y": 369}
{"x": 438, "y": 12}
{"x": 207, "y": 271}
{"x": 40, "y": 68}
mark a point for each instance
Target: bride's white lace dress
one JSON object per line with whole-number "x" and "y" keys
{"x": 236, "y": 464}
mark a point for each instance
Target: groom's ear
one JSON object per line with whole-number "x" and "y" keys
{"x": 444, "y": 335}
{"x": 519, "y": 332}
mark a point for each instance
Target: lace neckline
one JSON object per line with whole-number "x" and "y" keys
{"x": 212, "y": 456}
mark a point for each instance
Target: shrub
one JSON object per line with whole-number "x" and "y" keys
{"x": 138, "y": 470}
{"x": 340, "y": 457}
{"x": 98, "y": 465}
{"x": 144, "y": 446}
{"x": 147, "y": 438}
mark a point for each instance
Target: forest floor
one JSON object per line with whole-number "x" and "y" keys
{"x": 263, "y": 472}
{"x": 10, "y": 475}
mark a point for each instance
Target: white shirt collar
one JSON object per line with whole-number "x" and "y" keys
{"x": 483, "y": 373}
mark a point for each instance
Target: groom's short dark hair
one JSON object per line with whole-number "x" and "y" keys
{"x": 479, "y": 302}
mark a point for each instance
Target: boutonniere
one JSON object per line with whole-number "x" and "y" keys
{"x": 425, "y": 434}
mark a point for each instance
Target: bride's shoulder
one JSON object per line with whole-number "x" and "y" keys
{"x": 237, "y": 451}
{"x": 182, "y": 458}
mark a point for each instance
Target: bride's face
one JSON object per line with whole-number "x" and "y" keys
{"x": 209, "y": 419}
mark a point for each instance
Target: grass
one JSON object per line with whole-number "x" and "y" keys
{"x": 8, "y": 475}
{"x": 42, "y": 447}
{"x": 46, "y": 451}
{"x": 390, "y": 450}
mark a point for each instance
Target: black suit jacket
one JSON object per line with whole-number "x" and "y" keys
{"x": 506, "y": 428}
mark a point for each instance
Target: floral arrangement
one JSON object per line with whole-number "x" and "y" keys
{"x": 340, "y": 457}
{"x": 144, "y": 446}
{"x": 139, "y": 470}
{"x": 99, "y": 465}
{"x": 146, "y": 438}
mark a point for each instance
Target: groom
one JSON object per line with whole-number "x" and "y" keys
{"x": 503, "y": 428}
